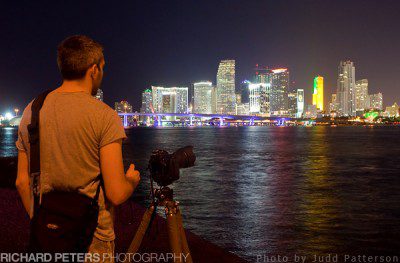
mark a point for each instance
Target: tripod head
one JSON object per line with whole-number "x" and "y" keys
{"x": 163, "y": 195}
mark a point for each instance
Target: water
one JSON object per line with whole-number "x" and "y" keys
{"x": 282, "y": 190}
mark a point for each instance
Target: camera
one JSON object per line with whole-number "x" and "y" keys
{"x": 164, "y": 167}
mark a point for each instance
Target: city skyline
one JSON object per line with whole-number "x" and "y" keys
{"x": 295, "y": 41}
{"x": 270, "y": 95}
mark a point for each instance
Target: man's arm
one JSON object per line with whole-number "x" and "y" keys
{"x": 22, "y": 182}
{"x": 118, "y": 185}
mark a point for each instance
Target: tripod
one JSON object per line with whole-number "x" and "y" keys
{"x": 176, "y": 233}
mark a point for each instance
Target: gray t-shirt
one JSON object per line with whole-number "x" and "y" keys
{"x": 73, "y": 128}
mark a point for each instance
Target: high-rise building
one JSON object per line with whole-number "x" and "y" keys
{"x": 258, "y": 95}
{"x": 170, "y": 99}
{"x": 147, "y": 102}
{"x": 262, "y": 74}
{"x": 361, "y": 94}
{"x": 376, "y": 101}
{"x": 214, "y": 100}
{"x": 254, "y": 97}
{"x": 265, "y": 104}
{"x": 225, "y": 92}
{"x": 318, "y": 93}
{"x": 300, "y": 103}
{"x": 99, "y": 95}
{"x": 333, "y": 105}
{"x": 392, "y": 111}
{"x": 279, "y": 91}
{"x": 292, "y": 102}
{"x": 202, "y": 97}
{"x": 123, "y": 107}
{"x": 311, "y": 111}
{"x": 346, "y": 89}
{"x": 238, "y": 98}
{"x": 244, "y": 91}
{"x": 242, "y": 109}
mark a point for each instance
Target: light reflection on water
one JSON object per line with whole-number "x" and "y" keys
{"x": 8, "y": 136}
{"x": 272, "y": 190}
{"x": 258, "y": 190}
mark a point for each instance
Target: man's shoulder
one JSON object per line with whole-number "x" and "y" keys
{"x": 105, "y": 111}
{"x": 99, "y": 104}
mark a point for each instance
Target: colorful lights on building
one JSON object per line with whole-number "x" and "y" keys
{"x": 318, "y": 93}
{"x": 300, "y": 103}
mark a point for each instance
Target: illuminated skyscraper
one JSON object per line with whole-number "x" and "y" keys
{"x": 202, "y": 97}
{"x": 376, "y": 101}
{"x": 361, "y": 94}
{"x": 170, "y": 99}
{"x": 99, "y": 95}
{"x": 346, "y": 89}
{"x": 300, "y": 103}
{"x": 279, "y": 91}
{"x": 147, "y": 101}
{"x": 214, "y": 100}
{"x": 263, "y": 76}
{"x": 123, "y": 107}
{"x": 333, "y": 105}
{"x": 225, "y": 92}
{"x": 318, "y": 93}
{"x": 392, "y": 111}
{"x": 256, "y": 91}
{"x": 292, "y": 103}
{"x": 242, "y": 109}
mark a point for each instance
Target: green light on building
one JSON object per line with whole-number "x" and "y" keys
{"x": 371, "y": 115}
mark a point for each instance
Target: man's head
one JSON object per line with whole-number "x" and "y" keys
{"x": 80, "y": 57}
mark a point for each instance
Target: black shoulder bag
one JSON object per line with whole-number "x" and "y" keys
{"x": 63, "y": 222}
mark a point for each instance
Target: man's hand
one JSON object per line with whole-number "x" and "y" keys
{"x": 132, "y": 175}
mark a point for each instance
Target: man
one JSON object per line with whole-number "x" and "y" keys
{"x": 79, "y": 138}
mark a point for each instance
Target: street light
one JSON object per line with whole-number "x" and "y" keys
{"x": 8, "y": 116}
{"x": 16, "y": 112}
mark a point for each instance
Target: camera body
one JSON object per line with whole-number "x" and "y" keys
{"x": 164, "y": 167}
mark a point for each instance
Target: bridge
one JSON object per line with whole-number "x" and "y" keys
{"x": 191, "y": 117}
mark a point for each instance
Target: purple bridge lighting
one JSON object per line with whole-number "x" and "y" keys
{"x": 191, "y": 116}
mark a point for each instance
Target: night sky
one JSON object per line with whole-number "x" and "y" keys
{"x": 175, "y": 43}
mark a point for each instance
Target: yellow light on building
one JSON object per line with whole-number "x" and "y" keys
{"x": 318, "y": 94}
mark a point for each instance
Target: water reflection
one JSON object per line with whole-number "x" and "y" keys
{"x": 272, "y": 190}
{"x": 318, "y": 209}
{"x": 8, "y": 136}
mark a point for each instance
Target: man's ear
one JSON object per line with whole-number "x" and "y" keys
{"x": 93, "y": 70}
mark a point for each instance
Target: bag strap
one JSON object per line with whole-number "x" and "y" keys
{"x": 34, "y": 141}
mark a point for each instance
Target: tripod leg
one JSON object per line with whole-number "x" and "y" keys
{"x": 185, "y": 246}
{"x": 173, "y": 232}
{"x": 144, "y": 224}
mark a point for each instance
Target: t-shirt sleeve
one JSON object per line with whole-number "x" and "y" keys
{"x": 20, "y": 142}
{"x": 112, "y": 128}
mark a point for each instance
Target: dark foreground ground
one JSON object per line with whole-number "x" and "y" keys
{"x": 14, "y": 226}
